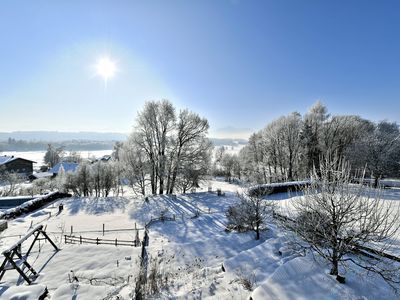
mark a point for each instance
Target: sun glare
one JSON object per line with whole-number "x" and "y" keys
{"x": 106, "y": 68}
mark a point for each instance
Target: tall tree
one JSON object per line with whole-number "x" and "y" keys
{"x": 191, "y": 131}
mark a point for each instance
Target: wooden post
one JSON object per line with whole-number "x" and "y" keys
{"x": 72, "y": 229}
{"x": 103, "y": 228}
{"x": 116, "y": 242}
{"x": 80, "y": 239}
{"x": 65, "y": 238}
{"x": 97, "y": 241}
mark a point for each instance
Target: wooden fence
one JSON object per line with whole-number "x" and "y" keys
{"x": 160, "y": 219}
{"x": 70, "y": 239}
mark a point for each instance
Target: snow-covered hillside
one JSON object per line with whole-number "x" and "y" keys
{"x": 197, "y": 256}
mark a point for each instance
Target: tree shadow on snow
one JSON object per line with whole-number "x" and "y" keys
{"x": 95, "y": 206}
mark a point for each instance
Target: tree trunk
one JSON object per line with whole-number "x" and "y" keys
{"x": 376, "y": 181}
{"x": 257, "y": 231}
{"x": 335, "y": 266}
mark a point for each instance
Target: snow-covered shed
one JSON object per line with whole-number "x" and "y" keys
{"x": 16, "y": 164}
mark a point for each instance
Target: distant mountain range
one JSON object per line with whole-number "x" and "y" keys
{"x": 57, "y": 136}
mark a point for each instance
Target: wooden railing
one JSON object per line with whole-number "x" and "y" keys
{"x": 70, "y": 239}
{"x": 160, "y": 219}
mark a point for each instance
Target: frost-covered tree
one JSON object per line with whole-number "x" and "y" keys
{"x": 136, "y": 166}
{"x": 84, "y": 180}
{"x": 9, "y": 182}
{"x": 191, "y": 131}
{"x": 117, "y": 149}
{"x": 163, "y": 144}
{"x": 312, "y": 134}
{"x": 53, "y": 155}
{"x": 250, "y": 213}
{"x": 378, "y": 150}
{"x": 335, "y": 216}
{"x": 154, "y": 124}
{"x": 194, "y": 165}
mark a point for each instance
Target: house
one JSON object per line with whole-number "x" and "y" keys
{"x": 67, "y": 167}
{"x": 17, "y": 165}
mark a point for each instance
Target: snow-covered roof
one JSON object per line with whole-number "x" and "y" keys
{"x": 6, "y": 159}
{"x": 66, "y": 166}
{"x": 106, "y": 158}
{"x": 42, "y": 175}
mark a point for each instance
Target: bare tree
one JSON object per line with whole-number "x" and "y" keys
{"x": 335, "y": 217}
{"x": 250, "y": 213}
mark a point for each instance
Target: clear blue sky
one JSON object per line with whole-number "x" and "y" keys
{"x": 238, "y": 63}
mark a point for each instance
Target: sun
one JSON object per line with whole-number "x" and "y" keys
{"x": 106, "y": 68}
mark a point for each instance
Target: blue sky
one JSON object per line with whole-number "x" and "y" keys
{"x": 238, "y": 63}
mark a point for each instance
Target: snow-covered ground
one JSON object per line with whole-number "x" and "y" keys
{"x": 190, "y": 252}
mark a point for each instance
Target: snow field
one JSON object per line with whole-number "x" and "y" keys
{"x": 189, "y": 252}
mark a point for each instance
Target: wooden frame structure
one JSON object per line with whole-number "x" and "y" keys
{"x": 15, "y": 260}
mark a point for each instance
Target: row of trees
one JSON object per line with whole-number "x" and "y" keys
{"x": 288, "y": 147}
{"x": 97, "y": 179}
{"x": 166, "y": 152}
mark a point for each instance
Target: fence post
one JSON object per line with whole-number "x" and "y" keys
{"x": 80, "y": 239}
{"x": 72, "y": 229}
{"x": 97, "y": 241}
{"x": 116, "y": 242}
{"x": 103, "y": 228}
{"x": 65, "y": 238}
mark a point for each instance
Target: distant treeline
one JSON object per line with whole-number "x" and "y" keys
{"x": 73, "y": 145}
{"x": 12, "y": 144}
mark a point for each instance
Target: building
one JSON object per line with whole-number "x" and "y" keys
{"x": 67, "y": 167}
{"x": 16, "y": 165}
{"x": 61, "y": 167}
